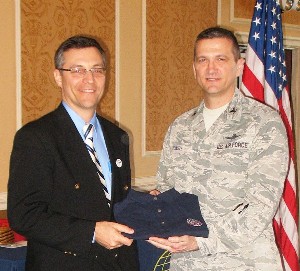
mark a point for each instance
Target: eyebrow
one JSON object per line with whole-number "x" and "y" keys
{"x": 205, "y": 56}
{"x": 94, "y": 66}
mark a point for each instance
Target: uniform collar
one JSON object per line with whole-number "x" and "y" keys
{"x": 234, "y": 109}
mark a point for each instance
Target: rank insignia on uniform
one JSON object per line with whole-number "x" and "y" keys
{"x": 194, "y": 222}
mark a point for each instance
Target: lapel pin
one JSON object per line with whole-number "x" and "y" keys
{"x": 119, "y": 162}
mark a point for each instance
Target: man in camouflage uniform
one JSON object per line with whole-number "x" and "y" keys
{"x": 231, "y": 152}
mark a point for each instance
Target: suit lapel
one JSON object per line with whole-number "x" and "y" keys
{"x": 74, "y": 152}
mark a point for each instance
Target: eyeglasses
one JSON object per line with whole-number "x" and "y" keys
{"x": 81, "y": 72}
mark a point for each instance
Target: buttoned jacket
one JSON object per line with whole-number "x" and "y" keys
{"x": 55, "y": 198}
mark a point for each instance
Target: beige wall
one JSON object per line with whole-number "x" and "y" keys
{"x": 8, "y": 87}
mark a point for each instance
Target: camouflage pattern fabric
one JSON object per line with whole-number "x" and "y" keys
{"x": 237, "y": 169}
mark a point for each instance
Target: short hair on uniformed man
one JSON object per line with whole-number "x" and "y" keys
{"x": 76, "y": 42}
{"x": 219, "y": 32}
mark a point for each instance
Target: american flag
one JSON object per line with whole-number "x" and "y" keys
{"x": 264, "y": 78}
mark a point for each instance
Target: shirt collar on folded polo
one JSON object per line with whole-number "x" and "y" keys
{"x": 167, "y": 196}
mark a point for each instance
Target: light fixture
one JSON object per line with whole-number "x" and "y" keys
{"x": 287, "y": 5}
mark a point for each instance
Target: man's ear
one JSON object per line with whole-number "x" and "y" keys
{"x": 58, "y": 77}
{"x": 240, "y": 66}
{"x": 194, "y": 70}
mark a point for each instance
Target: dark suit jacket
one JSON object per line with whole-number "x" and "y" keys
{"x": 55, "y": 198}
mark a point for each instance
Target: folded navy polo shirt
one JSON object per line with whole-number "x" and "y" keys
{"x": 168, "y": 214}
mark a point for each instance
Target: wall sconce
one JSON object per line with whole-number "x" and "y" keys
{"x": 287, "y": 5}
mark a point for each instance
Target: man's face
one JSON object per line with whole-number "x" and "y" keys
{"x": 215, "y": 67}
{"x": 81, "y": 93}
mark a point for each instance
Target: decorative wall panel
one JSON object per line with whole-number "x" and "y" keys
{"x": 44, "y": 25}
{"x": 171, "y": 29}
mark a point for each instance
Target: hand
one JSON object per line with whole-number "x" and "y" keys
{"x": 109, "y": 234}
{"x": 154, "y": 192}
{"x": 175, "y": 244}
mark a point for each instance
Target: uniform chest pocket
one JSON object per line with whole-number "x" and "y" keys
{"x": 231, "y": 156}
{"x": 180, "y": 153}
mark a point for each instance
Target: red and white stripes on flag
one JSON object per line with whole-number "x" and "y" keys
{"x": 264, "y": 78}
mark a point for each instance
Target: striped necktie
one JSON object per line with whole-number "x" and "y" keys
{"x": 88, "y": 131}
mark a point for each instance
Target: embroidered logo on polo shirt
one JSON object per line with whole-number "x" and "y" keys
{"x": 194, "y": 222}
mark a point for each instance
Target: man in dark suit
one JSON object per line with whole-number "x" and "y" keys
{"x": 56, "y": 198}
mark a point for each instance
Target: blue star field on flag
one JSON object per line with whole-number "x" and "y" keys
{"x": 266, "y": 40}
